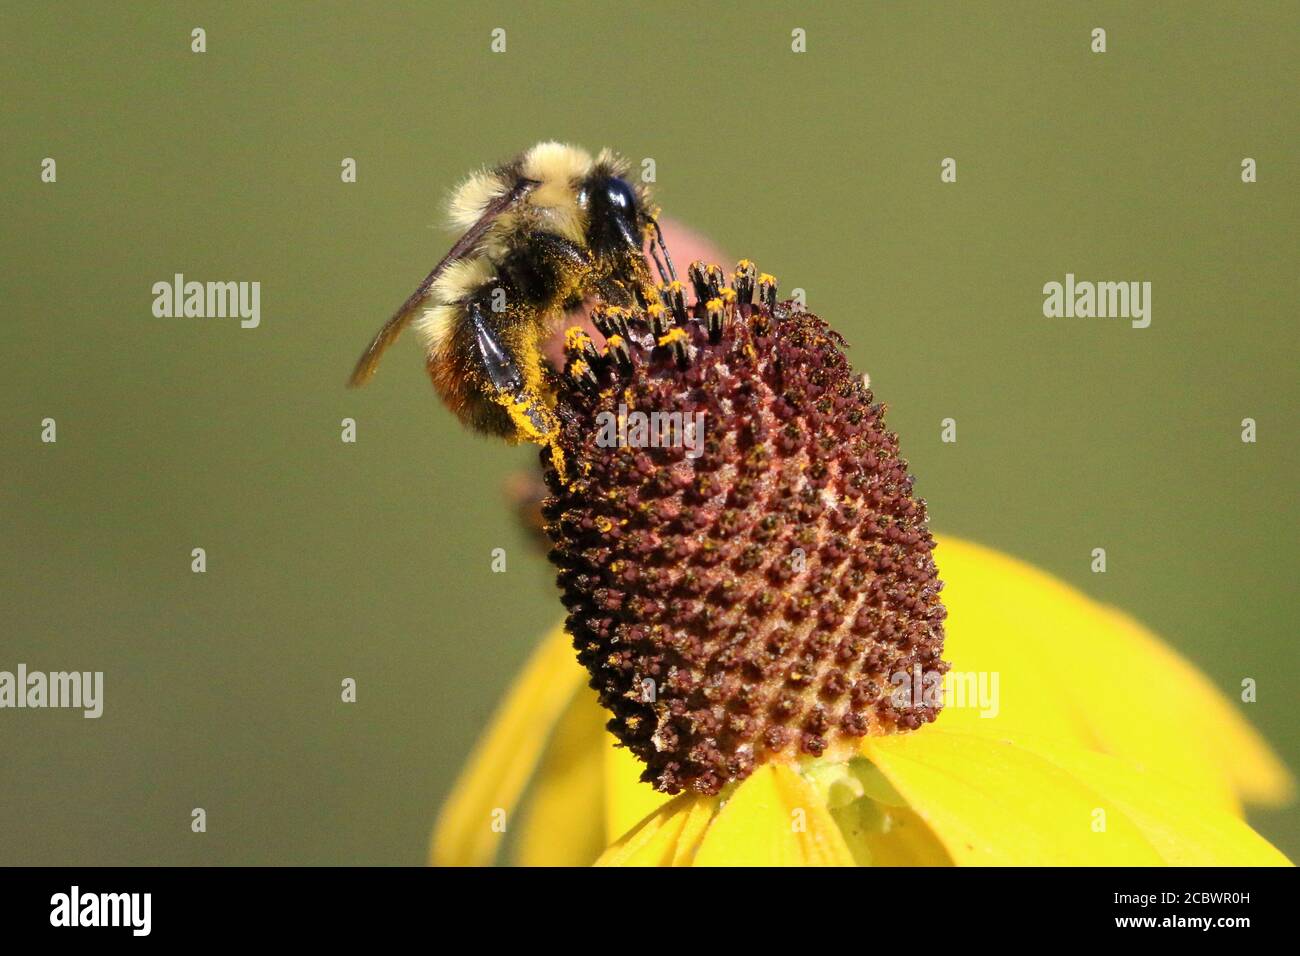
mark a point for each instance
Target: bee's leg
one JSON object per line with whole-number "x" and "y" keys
{"x": 500, "y": 368}
{"x": 531, "y": 416}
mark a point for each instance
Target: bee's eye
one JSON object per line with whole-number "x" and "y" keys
{"x": 614, "y": 214}
{"x": 620, "y": 195}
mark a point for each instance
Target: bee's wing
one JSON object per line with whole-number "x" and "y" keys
{"x": 393, "y": 327}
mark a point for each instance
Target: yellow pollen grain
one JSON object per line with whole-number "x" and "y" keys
{"x": 604, "y": 525}
{"x": 576, "y": 339}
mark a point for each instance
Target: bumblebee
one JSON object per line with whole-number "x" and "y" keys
{"x": 542, "y": 234}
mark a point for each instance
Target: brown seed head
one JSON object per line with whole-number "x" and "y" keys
{"x": 746, "y": 585}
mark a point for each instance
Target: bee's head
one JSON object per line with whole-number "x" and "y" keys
{"x": 615, "y": 212}
{"x": 588, "y": 201}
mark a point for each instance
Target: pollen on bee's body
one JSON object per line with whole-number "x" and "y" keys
{"x": 772, "y": 578}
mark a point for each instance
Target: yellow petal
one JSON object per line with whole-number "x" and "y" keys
{"x": 562, "y": 821}
{"x": 890, "y": 836}
{"x": 1073, "y": 670}
{"x": 700, "y": 815}
{"x": 878, "y": 826}
{"x": 1229, "y": 743}
{"x": 989, "y": 639}
{"x": 627, "y": 799}
{"x": 669, "y": 836}
{"x": 994, "y": 802}
{"x": 774, "y": 818}
{"x": 505, "y": 756}
{"x": 1181, "y": 832}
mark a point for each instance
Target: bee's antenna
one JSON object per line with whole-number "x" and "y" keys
{"x": 659, "y": 239}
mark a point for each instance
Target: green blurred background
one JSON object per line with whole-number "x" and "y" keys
{"x": 328, "y": 560}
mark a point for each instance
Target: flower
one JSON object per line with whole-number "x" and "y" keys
{"x": 755, "y": 594}
{"x": 1130, "y": 728}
